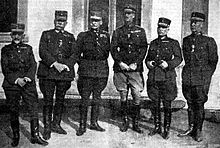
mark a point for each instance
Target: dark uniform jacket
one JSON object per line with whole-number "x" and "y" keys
{"x": 58, "y": 47}
{"x": 168, "y": 50}
{"x": 129, "y": 45}
{"x": 93, "y": 49}
{"x": 200, "y": 55}
{"x": 17, "y": 61}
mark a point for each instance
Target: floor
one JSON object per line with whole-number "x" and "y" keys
{"x": 112, "y": 137}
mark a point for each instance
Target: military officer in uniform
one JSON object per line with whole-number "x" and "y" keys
{"x": 55, "y": 72}
{"x": 93, "y": 48}
{"x": 19, "y": 68}
{"x": 200, "y": 55}
{"x": 128, "y": 49}
{"x": 164, "y": 55}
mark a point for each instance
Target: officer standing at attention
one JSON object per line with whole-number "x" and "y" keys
{"x": 19, "y": 68}
{"x": 128, "y": 49}
{"x": 93, "y": 48}
{"x": 163, "y": 57}
{"x": 55, "y": 72}
{"x": 200, "y": 55}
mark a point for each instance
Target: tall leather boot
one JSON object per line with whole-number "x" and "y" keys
{"x": 200, "y": 120}
{"x": 167, "y": 122}
{"x": 157, "y": 121}
{"x": 124, "y": 113}
{"x": 35, "y": 137}
{"x": 94, "y": 119}
{"x": 83, "y": 120}
{"x": 47, "y": 117}
{"x": 55, "y": 125}
{"x": 15, "y": 130}
{"x": 190, "y": 130}
{"x": 135, "y": 118}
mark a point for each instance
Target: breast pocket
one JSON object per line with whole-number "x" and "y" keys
{"x": 137, "y": 38}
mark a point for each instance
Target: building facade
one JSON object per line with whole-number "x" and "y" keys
{"x": 38, "y": 15}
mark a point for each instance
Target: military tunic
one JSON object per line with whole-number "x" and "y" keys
{"x": 93, "y": 49}
{"x": 60, "y": 47}
{"x": 200, "y": 55}
{"x": 163, "y": 80}
{"x": 129, "y": 45}
{"x": 17, "y": 61}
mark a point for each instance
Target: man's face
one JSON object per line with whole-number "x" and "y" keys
{"x": 162, "y": 30}
{"x": 129, "y": 16}
{"x": 196, "y": 26}
{"x": 17, "y": 37}
{"x": 95, "y": 23}
{"x": 60, "y": 24}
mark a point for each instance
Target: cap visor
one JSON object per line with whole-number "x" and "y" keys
{"x": 196, "y": 19}
{"x": 95, "y": 17}
{"x": 163, "y": 25}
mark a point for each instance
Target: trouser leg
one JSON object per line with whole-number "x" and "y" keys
{"x": 135, "y": 118}
{"x": 47, "y": 87}
{"x": 12, "y": 100}
{"x": 200, "y": 115}
{"x": 47, "y": 118}
{"x": 95, "y": 110}
{"x": 167, "y": 119}
{"x": 124, "y": 111}
{"x": 83, "y": 118}
{"x": 61, "y": 88}
{"x": 191, "y": 118}
{"x": 14, "y": 119}
{"x": 157, "y": 119}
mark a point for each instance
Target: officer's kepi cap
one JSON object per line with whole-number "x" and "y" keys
{"x": 129, "y": 9}
{"x": 164, "y": 22}
{"x": 17, "y": 28}
{"x": 96, "y": 15}
{"x": 60, "y": 15}
{"x": 197, "y": 16}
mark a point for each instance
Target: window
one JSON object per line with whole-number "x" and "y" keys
{"x": 12, "y": 11}
{"x": 8, "y": 14}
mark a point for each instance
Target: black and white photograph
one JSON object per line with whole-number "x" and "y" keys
{"x": 109, "y": 74}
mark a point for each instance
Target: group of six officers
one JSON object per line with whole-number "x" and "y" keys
{"x": 59, "y": 51}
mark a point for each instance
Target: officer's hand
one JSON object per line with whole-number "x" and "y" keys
{"x": 150, "y": 64}
{"x": 124, "y": 66}
{"x": 26, "y": 79}
{"x": 133, "y": 66}
{"x": 66, "y": 67}
{"x": 20, "y": 81}
{"x": 59, "y": 67}
{"x": 164, "y": 64}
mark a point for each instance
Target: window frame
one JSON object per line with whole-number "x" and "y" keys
{"x": 21, "y": 18}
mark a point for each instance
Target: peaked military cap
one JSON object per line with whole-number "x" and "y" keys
{"x": 61, "y": 15}
{"x": 197, "y": 16}
{"x": 129, "y": 8}
{"x": 17, "y": 27}
{"x": 165, "y": 22}
{"x": 96, "y": 14}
